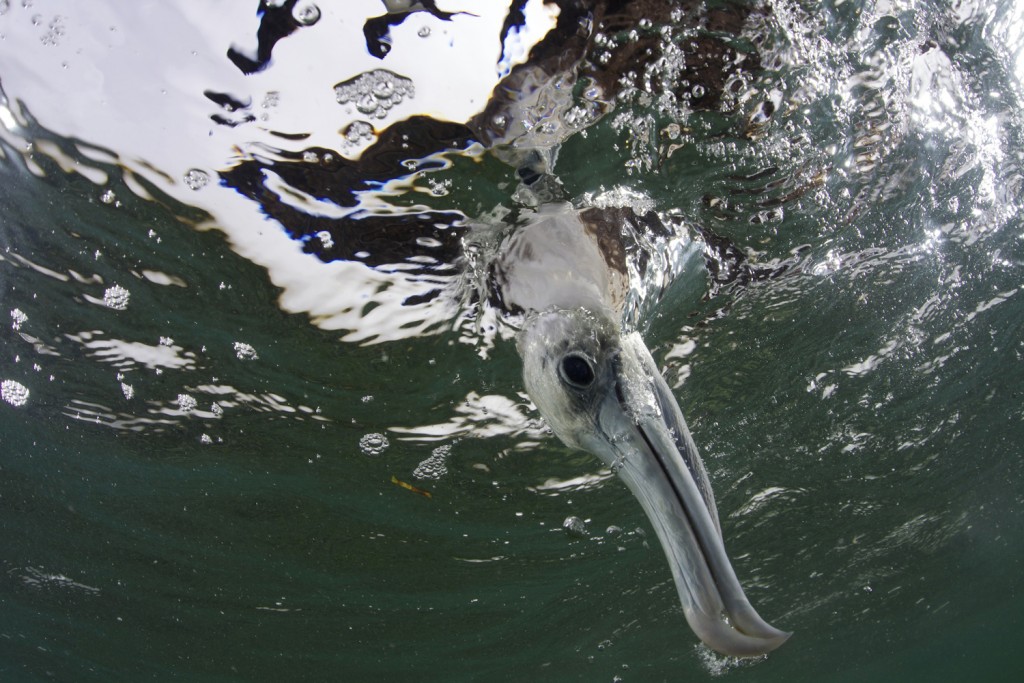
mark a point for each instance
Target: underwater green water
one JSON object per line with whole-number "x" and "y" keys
{"x": 860, "y": 415}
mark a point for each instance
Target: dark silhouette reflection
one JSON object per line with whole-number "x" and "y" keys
{"x": 607, "y": 45}
{"x": 376, "y": 240}
{"x": 277, "y": 21}
{"x": 378, "y": 29}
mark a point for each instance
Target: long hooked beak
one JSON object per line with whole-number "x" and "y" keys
{"x": 653, "y": 452}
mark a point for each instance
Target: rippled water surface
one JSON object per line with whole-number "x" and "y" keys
{"x": 259, "y": 421}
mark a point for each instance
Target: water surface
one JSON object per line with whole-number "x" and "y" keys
{"x": 189, "y": 368}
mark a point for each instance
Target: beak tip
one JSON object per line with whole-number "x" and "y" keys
{"x": 726, "y": 639}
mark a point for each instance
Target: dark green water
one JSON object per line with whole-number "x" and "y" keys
{"x": 860, "y": 416}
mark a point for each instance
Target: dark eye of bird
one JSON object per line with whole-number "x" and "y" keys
{"x": 577, "y": 370}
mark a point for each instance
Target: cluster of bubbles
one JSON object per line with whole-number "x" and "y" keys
{"x": 18, "y": 318}
{"x": 375, "y": 93}
{"x": 440, "y": 188}
{"x": 575, "y": 526}
{"x": 373, "y": 443}
{"x": 55, "y": 30}
{"x": 116, "y": 297}
{"x": 436, "y": 466}
{"x": 357, "y": 132}
{"x": 109, "y": 197}
{"x": 13, "y": 392}
{"x": 245, "y": 351}
{"x": 186, "y": 403}
{"x": 325, "y": 239}
{"x": 196, "y": 179}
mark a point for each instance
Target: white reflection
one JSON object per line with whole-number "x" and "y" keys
{"x": 130, "y": 77}
{"x": 39, "y": 578}
{"x": 1011, "y": 30}
{"x": 573, "y": 484}
{"x": 765, "y": 497}
{"x": 482, "y": 417}
{"x": 125, "y": 354}
{"x": 139, "y": 83}
{"x": 98, "y": 414}
{"x": 999, "y": 298}
{"x": 868, "y": 364}
{"x": 7, "y": 118}
{"x": 227, "y": 397}
{"x": 159, "y": 278}
{"x": 935, "y": 91}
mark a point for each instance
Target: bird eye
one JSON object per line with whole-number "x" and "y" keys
{"x": 577, "y": 370}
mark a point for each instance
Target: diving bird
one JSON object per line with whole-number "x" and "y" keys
{"x": 564, "y": 272}
{"x": 599, "y": 389}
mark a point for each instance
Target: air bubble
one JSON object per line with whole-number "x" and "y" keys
{"x": 384, "y": 88}
{"x": 575, "y": 526}
{"x": 271, "y": 99}
{"x": 306, "y": 13}
{"x": 424, "y": 32}
{"x": 196, "y": 179}
{"x": 373, "y": 444}
{"x": 186, "y": 403}
{"x": 367, "y": 104}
